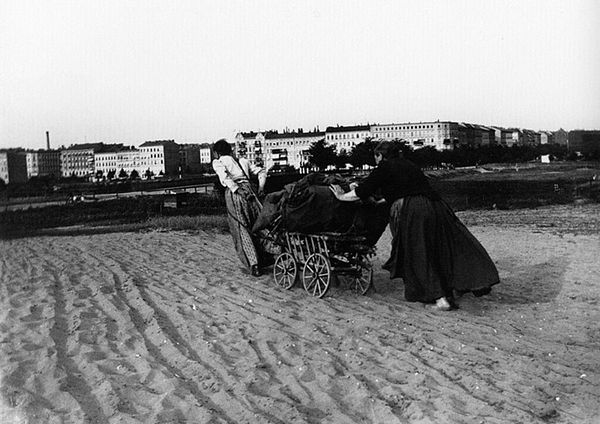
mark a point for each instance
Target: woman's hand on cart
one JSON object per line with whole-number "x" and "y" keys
{"x": 339, "y": 193}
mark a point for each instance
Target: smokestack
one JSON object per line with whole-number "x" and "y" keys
{"x": 47, "y": 140}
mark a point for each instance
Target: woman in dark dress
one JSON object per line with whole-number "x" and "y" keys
{"x": 432, "y": 250}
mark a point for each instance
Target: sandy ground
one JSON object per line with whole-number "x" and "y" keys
{"x": 164, "y": 327}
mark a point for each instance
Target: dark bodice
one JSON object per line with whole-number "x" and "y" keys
{"x": 396, "y": 178}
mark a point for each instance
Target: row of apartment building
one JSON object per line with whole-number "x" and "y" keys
{"x": 98, "y": 160}
{"x": 271, "y": 148}
{"x": 268, "y": 148}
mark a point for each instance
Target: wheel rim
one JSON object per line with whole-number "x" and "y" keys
{"x": 363, "y": 281}
{"x": 285, "y": 270}
{"x": 316, "y": 275}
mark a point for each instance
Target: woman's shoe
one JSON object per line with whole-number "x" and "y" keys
{"x": 441, "y": 304}
{"x": 256, "y": 271}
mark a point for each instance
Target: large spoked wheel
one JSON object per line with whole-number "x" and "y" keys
{"x": 363, "y": 280}
{"x": 316, "y": 275}
{"x": 285, "y": 270}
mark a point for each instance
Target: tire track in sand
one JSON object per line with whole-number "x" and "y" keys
{"x": 345, "y": 358}
{"x": 145, "y": 315}
{"x": 237, "y": 310}
{"x": 129, "y": 297}
{"x": 73, "y": 383}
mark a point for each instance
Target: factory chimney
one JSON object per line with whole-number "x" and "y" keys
{"x": 47, "y": 140}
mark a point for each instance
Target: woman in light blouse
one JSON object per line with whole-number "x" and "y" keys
{"x": 242, "y": 204}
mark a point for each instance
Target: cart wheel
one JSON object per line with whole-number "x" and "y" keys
{"x": 364, "y": 279}
{"x": 316, "y": 275}
{"x": 285, "y": 270}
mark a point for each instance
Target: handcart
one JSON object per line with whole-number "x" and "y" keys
{"x": 316, "y": 258}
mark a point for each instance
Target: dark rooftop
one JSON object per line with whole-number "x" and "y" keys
{"x": 276, "y": 135}
{"x": 85, "y": 146}
{"x": 157, "y": 143}
{"x": 348, "y": 128}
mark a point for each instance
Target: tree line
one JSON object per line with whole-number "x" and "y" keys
{"x": 322, "y": 155}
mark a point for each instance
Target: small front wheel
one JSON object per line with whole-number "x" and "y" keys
{"x": 285, "y": 270}
{"x": 316, "y": 275}
{"x": 363, "y": 280}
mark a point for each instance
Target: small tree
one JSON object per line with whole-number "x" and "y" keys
{"x": 123, "y": 173}
{"x": 134, "y": 175}
{"x": 321, "y": 155}
{"x": 426, "y": 156}
{"x": 148, "y": 174}
{"x": 111, "y": 174}
{"x": 362, "y": 154}
{"x": 342, "y": 159}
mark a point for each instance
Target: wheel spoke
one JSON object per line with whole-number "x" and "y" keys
{"x": 284, "y": 270}
{"x": 316, "y": 274}
{"x": 362, "y": 282}
{"x": 359, "y": 284}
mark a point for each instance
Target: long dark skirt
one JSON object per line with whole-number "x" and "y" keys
{"x": 252, "y": 249}
{"x": 434, "y": 252}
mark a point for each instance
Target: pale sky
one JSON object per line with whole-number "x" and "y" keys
{"x": 129, "y": 71}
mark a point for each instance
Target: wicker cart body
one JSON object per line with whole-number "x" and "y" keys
{"x": 315, "y": 259}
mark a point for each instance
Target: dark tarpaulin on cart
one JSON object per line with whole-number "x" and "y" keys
{"x": 309, "y": 206}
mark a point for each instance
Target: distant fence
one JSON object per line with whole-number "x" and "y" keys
{"x": 114, "y": 211}
{"x": 505, "y": 194}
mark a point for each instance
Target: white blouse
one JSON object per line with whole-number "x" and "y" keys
{"x": 229, "y": 172}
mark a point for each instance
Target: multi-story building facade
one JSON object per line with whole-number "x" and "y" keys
{"x": 290, "y": 148}
{"x": 193, "y": 158}
{"x": 114, "y": 161}
{"x": 561, "y": 137}
{"x": 159, "y": 157}
{"x": 546, "y": 137}
{"x": 43, "y": 163}
{"x": 584, "y": 141}
{"x": 530, "y": 137}
{"x": 249, "y": 145}
{"x": 515, "y": 138}
{"x": 274, "y": 148}
{"x": 13, "y": 166}
{"x": 205, "y": 153}
{"x": 344, "y": 138}
{"x": 189, "y": 158}
{"x": 78, "y": 160}
{"x": 474, "y": 135}
{"x": 522, "y": 137}
{"x": 503, "y": 136}
{"x": 442, "y": 135}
